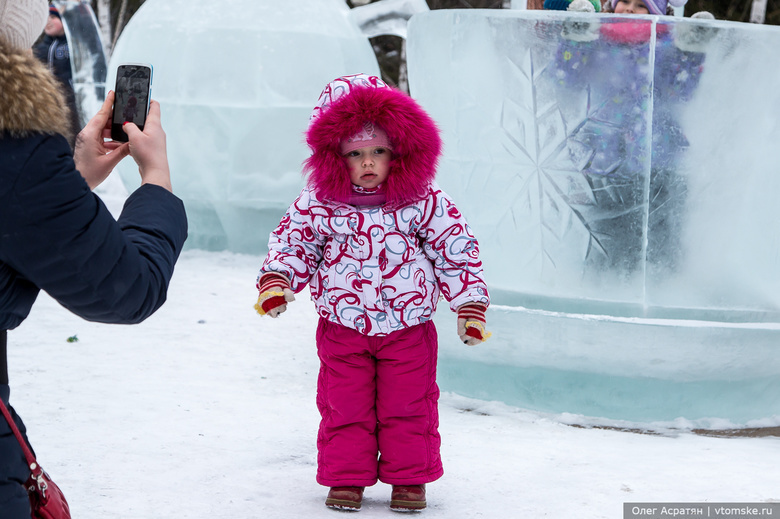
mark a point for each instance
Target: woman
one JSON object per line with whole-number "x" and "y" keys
{"x": 55, "y": 234}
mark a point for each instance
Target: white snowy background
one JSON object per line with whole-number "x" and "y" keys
{"x": 207, "y": 410}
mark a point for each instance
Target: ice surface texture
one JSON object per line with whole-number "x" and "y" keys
{"x": 237, "y": 80}
{"x": 87, "y": 57}
{"x": 559, "y": 166}
{"x": 614, "y": 173}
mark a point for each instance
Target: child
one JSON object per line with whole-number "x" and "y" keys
{"x": 660, "y": 7}
{"x": 608, "y": 68}
{"x": 378, "y": 241}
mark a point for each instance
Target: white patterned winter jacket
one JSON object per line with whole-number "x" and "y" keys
{"x": 378, "y": 269}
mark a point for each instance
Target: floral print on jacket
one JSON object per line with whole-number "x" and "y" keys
{"x": 378, "y": 269}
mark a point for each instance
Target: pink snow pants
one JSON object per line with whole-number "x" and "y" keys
{"x": 378, "y": 400}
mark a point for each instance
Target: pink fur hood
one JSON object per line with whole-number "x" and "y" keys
{"x": 347, "y": 103}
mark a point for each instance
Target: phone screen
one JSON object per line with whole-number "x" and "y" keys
{"x": 131, "y": 98}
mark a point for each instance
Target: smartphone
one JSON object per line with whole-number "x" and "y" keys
{"x": 131, "y": 97}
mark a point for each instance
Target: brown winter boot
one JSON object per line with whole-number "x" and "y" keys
{"x": 407, "y": 498}
{"x": 345, "y": 498}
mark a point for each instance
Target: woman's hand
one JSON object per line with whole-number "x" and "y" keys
{"x": 95, "y": 157}
{"x": 148, "y": 149}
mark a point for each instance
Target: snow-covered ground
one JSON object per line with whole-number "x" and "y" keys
{"x": 207, "y": 410}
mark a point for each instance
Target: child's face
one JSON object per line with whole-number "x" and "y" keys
{"x": 369, "y": 166}
{"x": 54, "y": 26}
{"x": 631, "y": 7}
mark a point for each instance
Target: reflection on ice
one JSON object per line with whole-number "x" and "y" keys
{"x": 619, "y": 168}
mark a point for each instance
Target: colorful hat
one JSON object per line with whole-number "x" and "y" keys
{"x": 563, "y": 5}
{"x": 369, "y": 135}
{"x": 54, "y": 12}
{"x": 22, "y": 21}
{"x": 657, "y": 6}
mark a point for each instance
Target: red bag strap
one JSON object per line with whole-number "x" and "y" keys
{"x": 27, "y": 452}
{"x": 37, "y": 477}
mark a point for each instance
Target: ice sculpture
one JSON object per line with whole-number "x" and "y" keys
{"x": 387, "y": 17}
{"x": 87, "y": 56}
{"x": 621, "y": 180}
{"x": 237, "y": 80}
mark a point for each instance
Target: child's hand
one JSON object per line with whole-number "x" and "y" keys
{"x": 275, "y": 293}
{"x": 691, "y": 37}
{"x": 471, "y": 324}
{"x": 585, "y": 30}
{"x": 581, "y": 6}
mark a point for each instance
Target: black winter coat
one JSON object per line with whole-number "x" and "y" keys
{"x": 56, "y": 235}
{"x": 53, "y": 51}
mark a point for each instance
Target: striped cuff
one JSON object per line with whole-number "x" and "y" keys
{"x": 472, "y": 312}
{"x": 272, "y": 281}
{"x": 271, "y": 286}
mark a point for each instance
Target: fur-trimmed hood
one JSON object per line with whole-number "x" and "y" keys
{"x": 30, "y": 97}
{"x": 344, "y": 106}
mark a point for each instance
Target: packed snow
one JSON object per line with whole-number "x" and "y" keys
{"x": 207, "y": 410}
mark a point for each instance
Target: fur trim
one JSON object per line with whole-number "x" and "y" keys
{"x": 414, "y": 136}
{"x": 31, "y": 100}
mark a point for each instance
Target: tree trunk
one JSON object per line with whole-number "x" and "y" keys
{"x": 104, "y": 20}
{"x": 403, "y": 76}
{"x": 120, "y": 22}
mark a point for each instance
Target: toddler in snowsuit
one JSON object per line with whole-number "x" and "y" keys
{"x": 610, "y": 64}
{"x": 378, "y": 242}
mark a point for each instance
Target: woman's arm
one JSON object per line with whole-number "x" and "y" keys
{"x": 60, "y": 236}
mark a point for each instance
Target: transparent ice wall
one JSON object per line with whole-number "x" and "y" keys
{"x": 87, "y": 56}
{"x": 236, "y": 80}
{"x": 623, "y": 193}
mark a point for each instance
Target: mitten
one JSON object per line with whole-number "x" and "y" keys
{"x": 594, "y": 6}
{"x": 275, "y": 293}
{"x": 694, "y": 37}
{"x": 471, "y": 323}
{"x": 584, "y": 6}
{"x": 585, "y": 30}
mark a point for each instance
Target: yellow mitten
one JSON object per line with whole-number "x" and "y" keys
{"x": 275, "y": 293}
{"x": 471, "y": 323}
